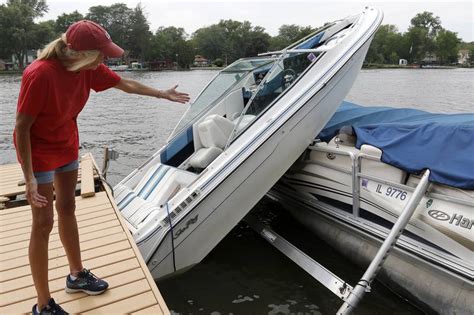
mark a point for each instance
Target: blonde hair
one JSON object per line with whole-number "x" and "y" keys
{"x": 72, "y": 59}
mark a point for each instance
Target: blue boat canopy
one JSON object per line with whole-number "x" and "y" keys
{"x": 413, "y": 140}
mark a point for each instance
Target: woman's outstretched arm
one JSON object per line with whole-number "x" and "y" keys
{"x": 135, "y": 87}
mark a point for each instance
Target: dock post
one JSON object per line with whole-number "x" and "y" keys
{"x": 363, "y": 285}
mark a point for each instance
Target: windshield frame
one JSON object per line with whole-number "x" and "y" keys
{"x": 178, "y": 129}
{"x": 236, "y": 134}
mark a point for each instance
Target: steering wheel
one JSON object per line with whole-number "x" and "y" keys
{"x": 287, "y": 77}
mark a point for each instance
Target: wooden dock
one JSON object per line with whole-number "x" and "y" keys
{"x": 107, "y": 248}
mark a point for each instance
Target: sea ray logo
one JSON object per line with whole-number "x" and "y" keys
{"x": 429, "y": 203}
{"x": 439, "y": 215}
{"x": 188, "y": 224}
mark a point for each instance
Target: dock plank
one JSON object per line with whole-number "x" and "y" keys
{"x": 11, "y": 175}
{"x": 110, "y": 296}
{"x": 154, "y": 309}
{"x": 21, "y": 248}
{"x": 27, "y": 296}
{"x": 60, "y": 296}
{"x": 5, "y": 249}
{"x": 127, "y": 306}
{"x": 87, "y": 169}
{"x": 108, "y": 250}
{"x": 107, "y": 244}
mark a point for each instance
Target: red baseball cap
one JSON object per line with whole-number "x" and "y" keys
{"x": 87, "y": 35}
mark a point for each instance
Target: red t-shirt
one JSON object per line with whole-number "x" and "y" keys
{"x": 55, "y": 97}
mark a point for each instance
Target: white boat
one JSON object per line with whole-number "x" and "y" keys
{"x": 351, "y": 187}
{"x": 240, "y": 135}
{"x": 119, "y": 67}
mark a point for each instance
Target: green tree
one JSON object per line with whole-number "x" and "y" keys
{"x": 422, "y": 33}
{"x": 230, "y": 40}
{"x": 170, "y": 43}
{"x": 115, "y": 19}
{"x": 18, "y": 29}
{"x": 288, "y": 34}
{"x": 139, "y": 35}
{"x": 418, "y": 40}
{"x": 185, "y": 54}
{"x": 43, "y": 33}
{"x": 165, "y": 42}
{"x": 447, "y": 44}
{"x": 235, "y": 34}
{"x": 65, "y": 20}
{"x": 427, "y": 21}
{"x": 385, "y": 47}
{"x": 258, "y": 42}
{"x": 210, "y": 41}
{"x": 218, "y": 62}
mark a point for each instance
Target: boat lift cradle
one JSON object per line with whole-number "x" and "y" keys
{"x": 350, "y": 295}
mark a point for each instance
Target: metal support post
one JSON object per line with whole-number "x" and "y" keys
{"x": 363, "y": 285}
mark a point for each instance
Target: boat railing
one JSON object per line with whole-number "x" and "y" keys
{"x": 357, "y": 175}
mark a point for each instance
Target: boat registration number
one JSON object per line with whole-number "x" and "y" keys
{"x": 395, "y": 193}
{"x": 389, "y": 191}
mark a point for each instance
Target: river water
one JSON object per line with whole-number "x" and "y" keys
{"x": 243, "y": 274}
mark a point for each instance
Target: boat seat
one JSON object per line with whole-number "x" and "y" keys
{"x": 346, "y": 136}
{"x": 378, "y": 168}
{"x": 214, "y": 132}
{"x": 158, "y": 185}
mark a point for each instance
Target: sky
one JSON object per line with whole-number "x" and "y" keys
{"x": 456, "y": 16}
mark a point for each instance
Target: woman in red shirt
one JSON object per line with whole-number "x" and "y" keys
{"x": 54, "y": 90}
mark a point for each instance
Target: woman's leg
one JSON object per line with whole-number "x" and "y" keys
{"x": 43, "y": 219}
{"x": 65, "y": 186}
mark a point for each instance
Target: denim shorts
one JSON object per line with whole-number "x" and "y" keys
{"x": 48, "y": 176}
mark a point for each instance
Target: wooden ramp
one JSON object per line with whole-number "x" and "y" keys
{"x": 107, "y": 249}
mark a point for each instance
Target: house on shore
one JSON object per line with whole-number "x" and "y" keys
{"x": 463, "y": 57}
{"x": 200, "y": 61}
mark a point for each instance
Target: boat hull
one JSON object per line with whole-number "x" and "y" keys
{"x": 231, "y": 200}
{"x": 433, "y": 288}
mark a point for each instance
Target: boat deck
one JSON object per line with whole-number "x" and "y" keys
{"x": 107, "y": 248}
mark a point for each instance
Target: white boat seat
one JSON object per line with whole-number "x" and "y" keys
{"x": 157, "y": 186}
{"x": 378, "y": 168}
{"x": 204, "y": 156}
{"x": 214, "y": 132}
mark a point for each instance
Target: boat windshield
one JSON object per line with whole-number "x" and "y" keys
{"x": 282, "y": 75}
{"x": 218, "y": 87}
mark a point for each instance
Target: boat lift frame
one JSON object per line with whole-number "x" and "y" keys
{"x": 350, "y": 295}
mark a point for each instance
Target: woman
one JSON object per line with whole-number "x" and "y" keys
{"x": 54, "y": 90}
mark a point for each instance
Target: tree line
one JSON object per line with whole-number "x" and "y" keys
{"x": 223, "y": 42}
{"x": 424, "y": 38}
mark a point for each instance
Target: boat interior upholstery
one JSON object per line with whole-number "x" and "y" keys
{"x": 212, "y": 133}
{"x": 159, "y": 184}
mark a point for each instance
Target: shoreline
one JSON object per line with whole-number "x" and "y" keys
{"x": 366, "y": 67}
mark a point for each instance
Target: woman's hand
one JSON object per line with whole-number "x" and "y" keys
{"x": 32, "y": 195}
{"x": 175, "y": 96}
{"x": 135, "y": 87}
